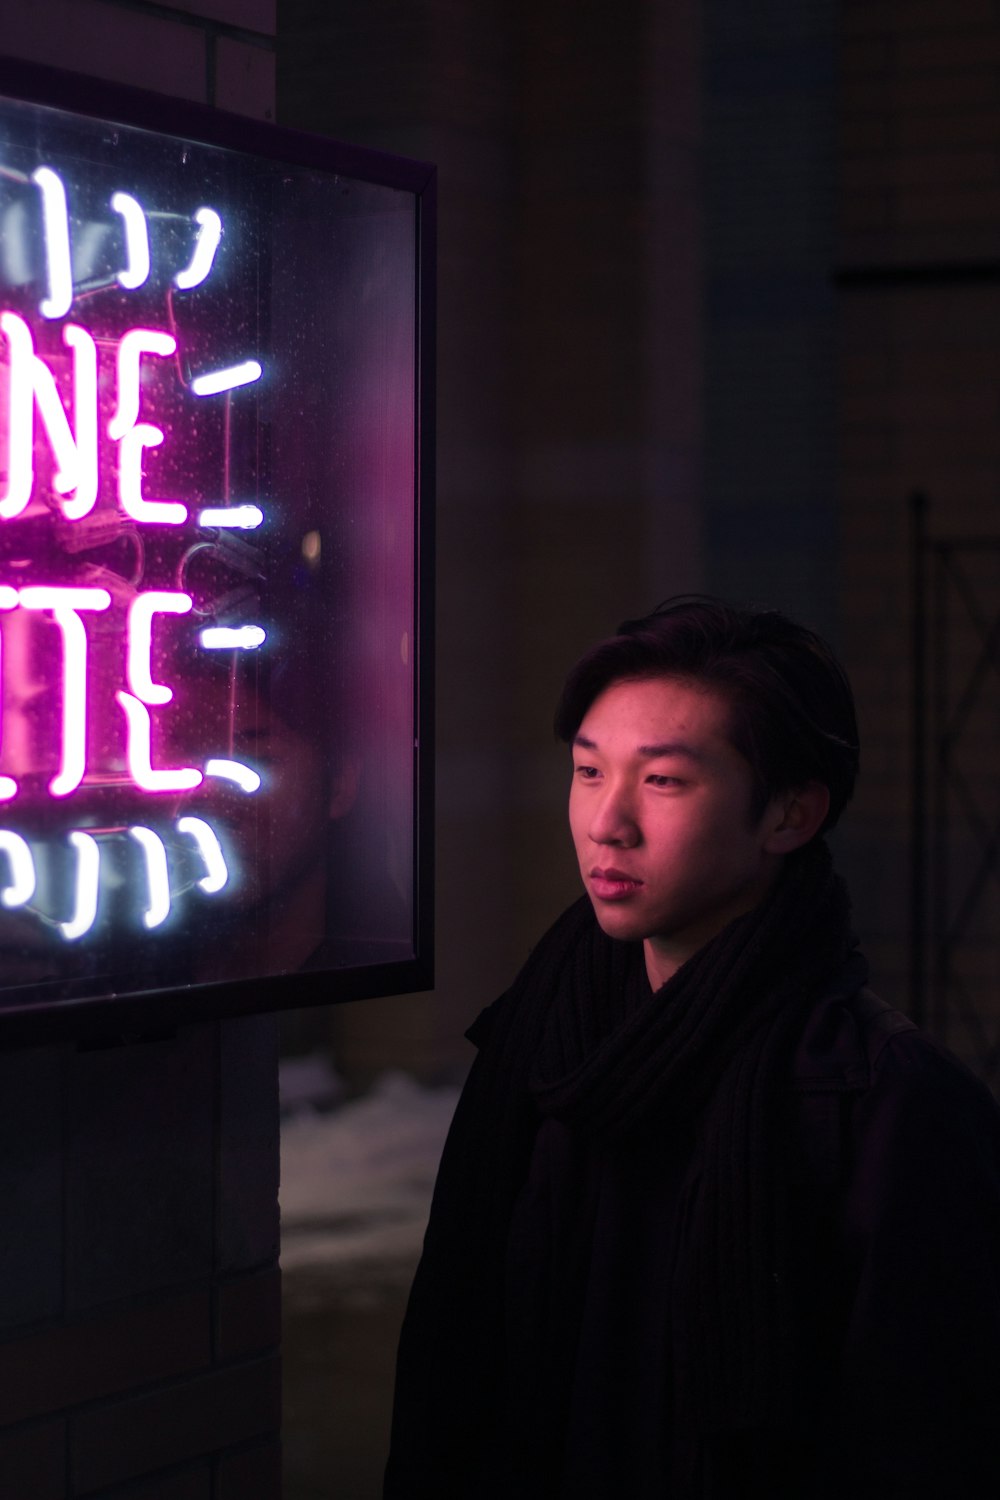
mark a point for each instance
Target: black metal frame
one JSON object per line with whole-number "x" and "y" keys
{"x": 153, "y": 1012}
{"x": 940, "y": 710}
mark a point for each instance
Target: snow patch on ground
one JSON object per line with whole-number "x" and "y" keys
{"x": 356, "y": 1180}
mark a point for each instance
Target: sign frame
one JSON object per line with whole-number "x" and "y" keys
{"x": 154, "y": 1011}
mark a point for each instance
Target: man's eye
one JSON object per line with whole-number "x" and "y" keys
{"x": 586, "y": 773}
{"x": 664, "y": 780}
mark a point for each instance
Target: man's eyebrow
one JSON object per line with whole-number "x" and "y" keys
{"x": 670, "y": 747}
{"x": 650, "y": 752}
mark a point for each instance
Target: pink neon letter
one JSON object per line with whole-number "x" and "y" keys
{"x": 20, "y": 384}
{"x": 135, "y": 436}
{"x": 76, "y": 455}
{"x": 182, "y": 779}
{"x": 8, "y": 786}
{"x": 65, "y": 604}
{"x": 140, "y": 641}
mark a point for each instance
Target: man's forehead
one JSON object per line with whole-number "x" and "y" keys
{"x": 667, "y": 710}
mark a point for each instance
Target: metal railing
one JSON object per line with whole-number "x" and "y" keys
{"x": 955, "y": 819}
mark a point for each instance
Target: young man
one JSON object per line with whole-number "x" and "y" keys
{"x": 712, "y": 1221}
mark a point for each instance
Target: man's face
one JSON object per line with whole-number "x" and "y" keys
{"x": 659, "y": 810}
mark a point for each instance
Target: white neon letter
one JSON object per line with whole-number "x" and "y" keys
{"x": 140, "y": 641}
{"x": 88, "y": 871}
{"x": 205, "y": 246}
{"x": 157, "y": 878}
{"x": 136, "y": 241}
{"x": 210, "y": 850}
{"x": 65, "y": 604}
{"x": 22, "y": 869}
{"x": 227, "y": 380}
{"x": 233, "y": 770}
{"x": 56, "y": 220}
{"x": 20, "y": 436}
{"x": 181, "y": 779}
{"x": 239, "y": 638}
{"x": 136, "y": 436}
{"x": 242, "y": 517}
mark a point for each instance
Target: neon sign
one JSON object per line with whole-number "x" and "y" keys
{"x": 212, "y": 597}
{"x": 66, "y": 463}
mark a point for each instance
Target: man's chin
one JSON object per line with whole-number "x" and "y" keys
{"x": 617, "y": 920}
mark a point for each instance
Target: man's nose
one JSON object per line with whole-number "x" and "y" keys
{"x": 613, "y": 821}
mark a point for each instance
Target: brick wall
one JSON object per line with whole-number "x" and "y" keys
{"x": 919, "y": 257}
{"x": 139, "y": 1282}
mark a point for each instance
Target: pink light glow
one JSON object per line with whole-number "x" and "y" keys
{"x": 85, "y": 415}
{"x": 140, "y": 640}
{"x": 8, "y": 600}
{"x": 65, "y": 604}
{"x": 179, "y": 779}
{"x": 31, "y": 381}
{"x": 132, "y": 346}
{"x": 20, "y": 474}
{"x": 136, "y": 436}
{"x": 134, "y": 503}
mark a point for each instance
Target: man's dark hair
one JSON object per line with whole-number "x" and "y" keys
{"x": 791, "y": 707}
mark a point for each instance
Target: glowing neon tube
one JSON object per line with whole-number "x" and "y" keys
{"x": 232, "y": 770}
{"x": 217, "y": 381}
{"x": 22, "y": 869}
{"x": 179, "y": 779}
{"x": 56, "y": 221}
{"x": 8, "y": 600}
{"x": 88, "y": 872}
{"x": 140, "y": 640}
{"x": 65, "y": 604}
{"x": 20, "y": 408}
{"x": 239, "y": 638}
{"x": 132, "y": 346}
{"x": 205, "y": 246}
{"x": 135, "y": 436}
{"x": 76, "y": 455}
{"x": 210, "y": 850}
{"x": 31, "y": 381}
{"x": 134, "y": 442}
{"x": 157, "y": 877}
{"x": 241, "y": 517}
{"x": 136, "y": 241}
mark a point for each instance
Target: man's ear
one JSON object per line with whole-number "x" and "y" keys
{"x": 794, "y": 817}
{"x": 344, "y": 790}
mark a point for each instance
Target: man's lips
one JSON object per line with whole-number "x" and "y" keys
{"x": 613, "y": 885}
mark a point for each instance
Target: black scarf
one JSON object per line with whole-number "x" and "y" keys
{"x": 711, "y": 1046}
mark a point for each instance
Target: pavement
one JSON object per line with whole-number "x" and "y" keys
{"x": 339, "y": 1353}
{"x": 356, "y": 1182}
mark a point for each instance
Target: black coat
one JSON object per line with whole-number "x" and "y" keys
{"x": 895, "y": 1227}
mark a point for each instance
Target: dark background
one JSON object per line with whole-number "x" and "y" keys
{"x": 719, "y": 287}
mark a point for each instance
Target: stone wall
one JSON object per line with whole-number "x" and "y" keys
{"x": 139, "y": 1287}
